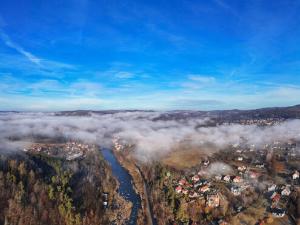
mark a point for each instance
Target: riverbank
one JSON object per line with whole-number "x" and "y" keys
{"x": 139, "y": 184}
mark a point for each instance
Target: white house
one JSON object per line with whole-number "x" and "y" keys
{"x": 295, "y": 175}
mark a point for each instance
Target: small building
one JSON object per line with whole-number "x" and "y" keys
{"x": 286, "y": 191}
{"x": 182, "y": 182}
{"x": 227, "y": 178}
{"x": 105, "y": 204}
{"x": 272, "y": 187}
{"x": 253, "y": 174}
{"x": 178, "y": 189}
{"x": 195, "y": 178}
{"x": 235, "y": 190}
{"x": 242, "y": 168}
{"x": 237, "y": 179}
{"x": 201, "y": 182}
{"x": 295, "y": 175}
{"x": 275, "y": 197}
{"x": 196, "y": 185}
{"x": 204, "y": 189}
{"x": 278, "y": 212}
{"x": 262, "y": 165}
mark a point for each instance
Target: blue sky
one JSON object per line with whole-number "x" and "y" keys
{"x": 163, "y": 55}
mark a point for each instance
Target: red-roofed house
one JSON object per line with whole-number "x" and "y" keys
{"x": 178, "y": 189}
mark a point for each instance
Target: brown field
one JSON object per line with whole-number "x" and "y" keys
{"x": 185, "y": 158}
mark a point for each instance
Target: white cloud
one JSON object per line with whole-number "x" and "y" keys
{"x": 196, "y": 81}
{"x": 201, "y": 78}
{"x": 124, "y": 75}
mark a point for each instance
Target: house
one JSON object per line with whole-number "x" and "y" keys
{"x": 182, "y": 182}
{"x": 240, "y": 158}
{"x": 272, "y": 187}
{"x": 204, "y": 189}
{"x": 227, "y": 178}
{"x": 178, "y": 189}
{"x": 201, "y": 182}
{"x": 242, "y": 168}
{"x": 253, "y": 175}
{"x": 275, "y": 197}
{"x": 235, "y": 190}
{"x": 198, "y": 184}
{"x": 295, "y": 175}
{"x": 262, "y": 165}
{"x": 105, "y": 204}
{"x": 213, "y": 200}
{"x": 286, "y": 191}
{"x": 195, "y": 178}
{"x": 237, "y": 179}
{"x": 278, "y": 212}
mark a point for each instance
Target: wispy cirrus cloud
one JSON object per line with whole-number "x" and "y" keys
{"x": 49, "y": 87}
{"x": 9, "y": 43}
{"x": 17, "y": 64}
{"x": 202, "y": 78}
{"x": 196, "y": 81}
{"x": 227, "y": 7}
{"x": 124, "y": 75}
{"x": 38, "y": 65}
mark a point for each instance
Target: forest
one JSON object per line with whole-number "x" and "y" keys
{"x": 38, "y": 189}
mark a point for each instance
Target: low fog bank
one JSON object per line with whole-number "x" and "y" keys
{"x": 152, "y": 138}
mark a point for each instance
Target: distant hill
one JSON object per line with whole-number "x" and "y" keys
{"x": 290, "y": 112}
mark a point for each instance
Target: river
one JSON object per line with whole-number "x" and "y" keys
{"x": 126, "y": 184}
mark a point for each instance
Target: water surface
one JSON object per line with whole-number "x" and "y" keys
{"x": 126, "y": 186}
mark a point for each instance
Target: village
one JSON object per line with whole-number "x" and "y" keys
{"x": 70, "y": 150}
{"x": 250, "y": 174}
{"x": 270, "y": 172}
{"x": 260, "y": 122}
